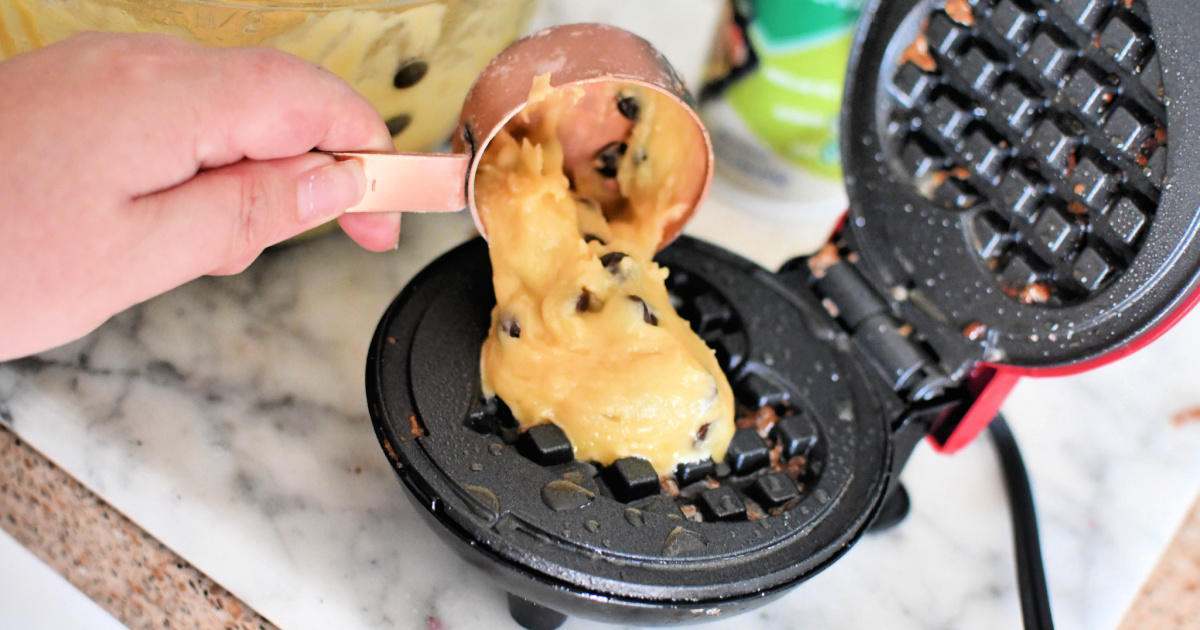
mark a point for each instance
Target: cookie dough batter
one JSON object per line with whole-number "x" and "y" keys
{"x": 584, "y": 334}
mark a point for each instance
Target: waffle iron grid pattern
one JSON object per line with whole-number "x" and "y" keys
{"x": 1045, "y": 120}
{"x": 774, "y": 458}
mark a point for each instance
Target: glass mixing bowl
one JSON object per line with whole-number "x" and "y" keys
{"x": 413, "y": 59}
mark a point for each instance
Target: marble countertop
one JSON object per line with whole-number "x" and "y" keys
{"x": 228, "y": 419}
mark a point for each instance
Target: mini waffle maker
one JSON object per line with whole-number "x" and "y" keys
{"x": 1014, "y": 212}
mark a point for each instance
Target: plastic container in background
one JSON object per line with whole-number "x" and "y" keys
{"x": 772, "y": 94}
{"x": 413, "y": 59}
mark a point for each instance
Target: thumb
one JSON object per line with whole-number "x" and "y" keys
{"x": 220, "y": 220}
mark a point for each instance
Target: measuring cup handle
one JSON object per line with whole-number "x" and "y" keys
{"x": 412, "y": 182}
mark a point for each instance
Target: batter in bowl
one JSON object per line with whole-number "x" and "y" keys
{"x": 413, "y": 59}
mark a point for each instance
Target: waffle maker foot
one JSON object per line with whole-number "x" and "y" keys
{"x": 533, "y": 616}
{"x": 896, "y": 506}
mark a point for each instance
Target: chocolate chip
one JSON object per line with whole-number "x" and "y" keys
{"x": 509, "y": 326}
{"x": 607, "y": 157}
{"x": 647, "y": 314}
{"x": 612, "y": 262}
{"x": 702, "y": 432}
{"x": 397, "y": 124}
{"x": 587, "y": 302}
{"x": 629, "y": 107}
{"x": 410, "y": 73}
{"x": 592, "y": 238}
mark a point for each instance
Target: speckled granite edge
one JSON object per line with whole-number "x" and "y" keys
{"x": 1170, "y": 599}
{"x": 113, "y": 561}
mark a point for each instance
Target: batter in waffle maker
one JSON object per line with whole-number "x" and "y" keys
{"x": 1022, "y": 204}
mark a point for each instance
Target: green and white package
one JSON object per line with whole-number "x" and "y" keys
{"x": 772, "y": 98}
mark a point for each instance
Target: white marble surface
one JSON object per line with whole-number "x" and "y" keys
{"x": 228, "y": 418}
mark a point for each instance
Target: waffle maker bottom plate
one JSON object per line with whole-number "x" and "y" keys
{"x": 606, "y": 543}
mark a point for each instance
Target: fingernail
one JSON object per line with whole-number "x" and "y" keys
{"x": 328, "y": 191}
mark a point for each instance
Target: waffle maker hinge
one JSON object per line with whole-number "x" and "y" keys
{"x": 925, "y": 396}
{"x": 964, "y": 407}
{"x": 908, "y": 368}
{"x": 950, "y": 413}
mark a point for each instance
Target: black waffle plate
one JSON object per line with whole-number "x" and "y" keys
{"x": 615, "y": 542}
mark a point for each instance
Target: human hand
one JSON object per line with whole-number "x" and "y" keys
{"x": 131, "y": 164}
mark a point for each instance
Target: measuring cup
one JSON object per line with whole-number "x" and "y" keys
{"x": 587, "y": 56}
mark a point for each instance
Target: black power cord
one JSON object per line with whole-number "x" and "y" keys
{"x": 1031, "y": 575}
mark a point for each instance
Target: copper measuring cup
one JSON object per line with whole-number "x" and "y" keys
{"x": 584, "y": 55}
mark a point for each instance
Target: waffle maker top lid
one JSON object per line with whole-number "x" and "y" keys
{"x": 1025, "y": 196}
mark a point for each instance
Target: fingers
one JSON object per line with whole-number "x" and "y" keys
{"x": 282, "y": 105}
{"x": 135, "y": 163}
{"x": 374, "y": 232}
{"x": 276, "y": 105}
{"x": 171, "y": 109}
{"x": 241, "y": 103}
{"x": 220, "y": 221}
